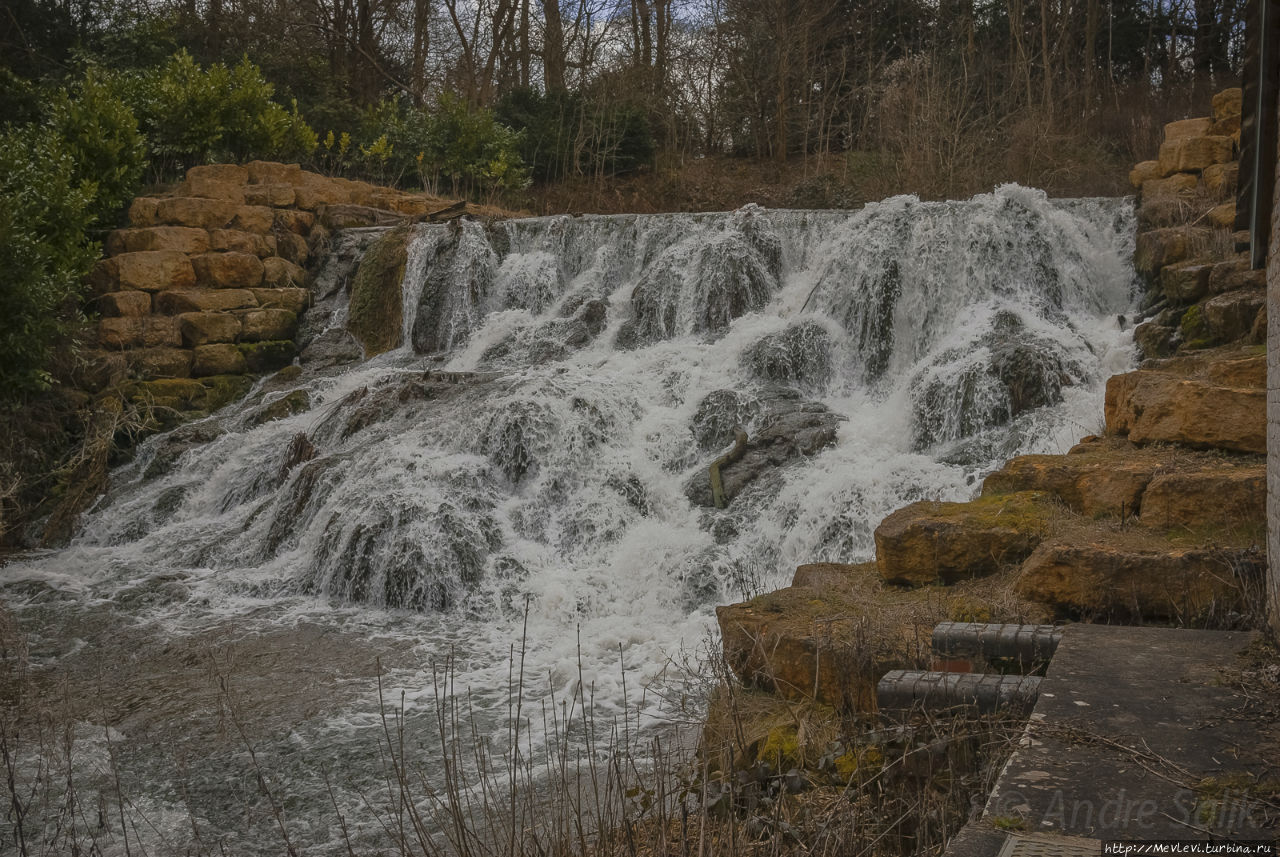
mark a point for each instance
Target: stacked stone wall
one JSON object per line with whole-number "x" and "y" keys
{"x": 210, "y": 280}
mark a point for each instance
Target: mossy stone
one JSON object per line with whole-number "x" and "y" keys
{"x": 376, "y": 314}
{"x": 267, "y": 356}
{"x": 221, "y": 390}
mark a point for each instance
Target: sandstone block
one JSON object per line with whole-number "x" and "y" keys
{"x": 341, "y": 216}
{"x": 160, "y": 362}
{"x": 217, "y": 359}
{"x": 227, "y": 270}
{"x": 297, "y": 222}
{"x": 312, "y": 191}
{"x": 1178, "y": 183}
{"x": 1147, "y": 406}
{"x": 1233, "y": 274}
{"x": 292, "y": 247}
{"x": 1222, "y": 216}
{"x": 181, "y": 239}
{"x": 1220, "y": 179}
{"x": 149, "y": 270}
{"x": 270, "y": 172}
{"x": 195, "y": 212}
{"x": 262, "y": 357}
{"x": 138, "y": 332}
{"x": 1155, "y": 339}
{"x": 1193, "y": 154}
{"x": 1099, "y": 483}
{"x": 1185, "y": 282}
{"x": 143, "y": 211}
{"x": 220, "y": 172}
{"x": 1184, "y": 128}
{"x": 208, "y": 187}
{"x": 1227, "y": 497}
{"x": 1159, "y": 247}
{"x": 253, "y": 218}
{"x": 262, "y": 324}
{"x": 1143, "y": 173}
{"x": 1177, "y": 583}
{"x": 274, "y": 195}
{"x": 1228, "y": 103}
{"x": 294, "y": 300}
{"x": 929, "y": 541}
{"x": 202, "y": 328}
{"x": 1227, "y": 127}
{"x": 1245, "y": 373}
{"x": 281, "y": 273}
{"x": 799, "y": 648}
{"x": 128, "y": 304}
{"x": 1230, "y": 316}
{"x": 415, "y": 205}
{"x": 235, "y": 241}
{"x": 204, "y": 300}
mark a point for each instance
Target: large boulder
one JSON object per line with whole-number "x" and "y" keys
{"x": 1147, "y": 406}
{"x": 1230, "y": 495}
{"x": 181, "y": 239}
{"x": 1185, "y": 282}
{"x": 1183, "y": 128}
{"x": 263, "y": 324}
{"x": 217, "y": 359}
{"x": 138, "y": 332}
{"x": 127, "y": 304}
{"x": 1229, "y": 317}
{"x": 228, "y": 270}
{"x": 147, "y": 270}
{"x": 1193, "y": 154}
{"x": 930, "y": 541}
{"x": 1103, "y": 580}
{"x": 1106, "y": 479}
{"x": 201, "y": 328}
{"x": 790, "y": 430}
{"x": 376, "y": 313}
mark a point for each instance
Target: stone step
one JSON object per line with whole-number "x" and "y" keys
{"x": 1167, "y": 486}
{"x": 1211, "y": 401}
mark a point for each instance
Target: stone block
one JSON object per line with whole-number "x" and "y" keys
{"x": 1222, "y": 216}
{"x": 1228, "y": 103}
{"x": 253, "y": 218}
{"x": 1184, "y": 128}
{"x": 270, "y": 172}
{"x": 1230, "y": 316}
{"x": 202, "y": 328}
{"x": 127, "y": 304}
{"x": 1159, "y": 247}
{"x": 274, "y": 195}
{"x": 149, "y": 363}
{"x": 281, "y": 273}
{"x": 927, "y": 541}
{"x": 217, "y": 359}
{"x": 1222, "y": 497}
{"x": 1147, "y": 406}
{"x": 204, "y": 300}
{"x": 143, "y": 211}
{"x": 1232, "y": 274}
{"x": 341, "y": 216}
{"x": 1099, "y": 482}
{"x": 1185, "y": 282}
{"x": 227, "y": 270}
{"x": 1220, "y": 179}
{"x": 1193, "y": 154}
{"x": 101, "y": 369}
{"x": 312, "y": 191}
{"x": 208, "y": 187}
{"x": 297, "y": 222}
{"x": 294, "y": 300}
{"x": 1175, "y": 185}
{"x": 231, "y": 173}
{"x": 235, "y": 241}
{"x": 262, "y": 357}
{"x": 195, "y": 212}
{"x": 138, "y": 332}
{"x": 148, "y": 270}
{"x": 292, "y": 247}
{"x": 263, "y": 324}
{"x": 181, "y": 239}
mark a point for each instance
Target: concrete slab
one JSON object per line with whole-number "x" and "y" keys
{"x": 1136, "y": 735}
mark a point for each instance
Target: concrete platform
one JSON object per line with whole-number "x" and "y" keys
{"x": 1137, "y": 735}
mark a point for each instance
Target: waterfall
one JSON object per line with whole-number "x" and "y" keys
{"x": 542, "y": 438}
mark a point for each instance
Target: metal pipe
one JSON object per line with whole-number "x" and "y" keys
{"x": 1027, "y": 644}
{"x": 906, "y": 689}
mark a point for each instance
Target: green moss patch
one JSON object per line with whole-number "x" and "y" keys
{"x": 376, "y": 316}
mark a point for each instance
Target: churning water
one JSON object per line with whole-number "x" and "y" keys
{"x": 550, "y": 470}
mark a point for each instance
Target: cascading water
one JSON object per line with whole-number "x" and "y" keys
{"x": 584, "y": 372}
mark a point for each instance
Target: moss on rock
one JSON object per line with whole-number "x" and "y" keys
{"x": 376, "y": 315}
{"x": 267, "y": 356}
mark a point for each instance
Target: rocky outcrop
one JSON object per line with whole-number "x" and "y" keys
{"x": 376, "y": 314}
{"x": 928, "y": 541}
{"x": 1215, "y": 403}
{"x": 1119, "y": 581}
{"x": 790, "y": 428}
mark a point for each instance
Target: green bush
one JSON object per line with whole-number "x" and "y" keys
{"x": 194, "y": 116}
{"x": 101, "y": 135}
{"x": 44, "y": 212}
